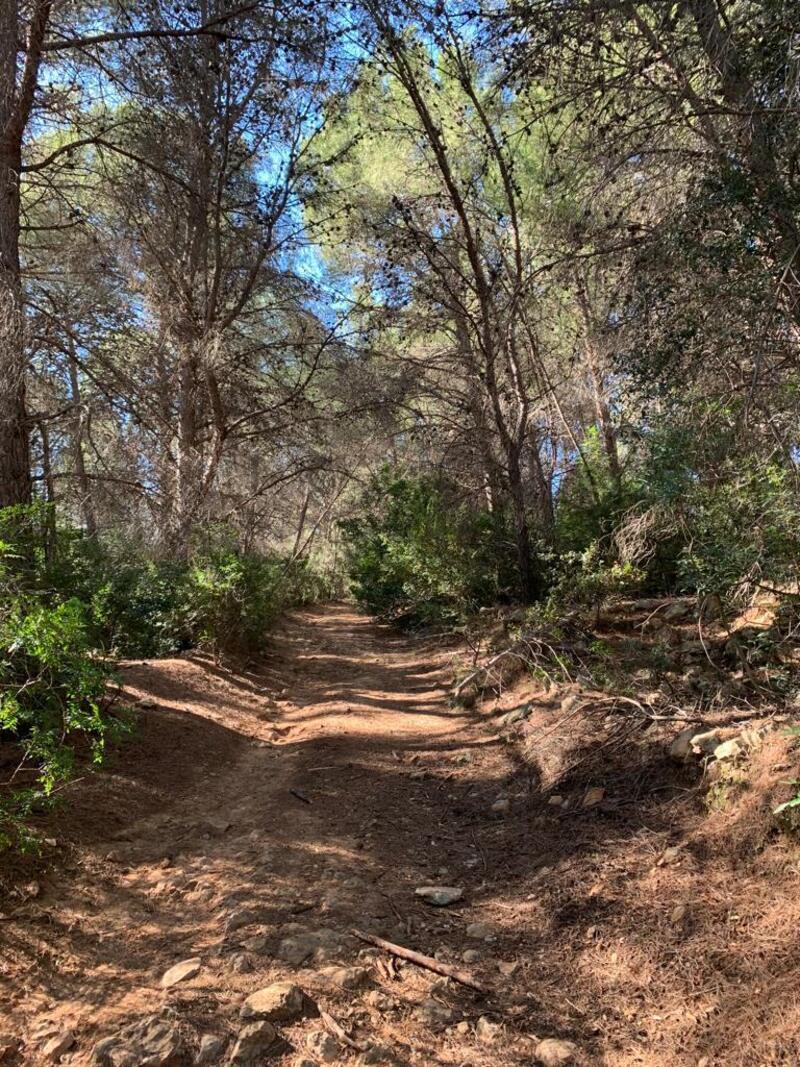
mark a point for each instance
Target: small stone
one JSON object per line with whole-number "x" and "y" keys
{"x": 241, "y": 963}
{"x": 593, "y": 796}
{"x": 433, "y": 1014}
{"x": 681, "y": 747}
{"x": 668, "y": 856}
{"x": 58, "y": 1045}
{"x": 679, "y": 913}
{"x": 462, "y": 1027}
{"x": 677, "y": 611}
{"x": 181, "y": 972}
{"x": 253, "y": 1043}
{"x": 704, "y": 744}
{"x": 352, "y": 979}
{"x": 508, "y": 967}
{"x": 728, "y": 750}
{"x": 323, "y": 1046}
{"x": 239, "y": 918}
{"x": 552, "y": 1052}
{"x": 472, "y": 955}
{"x": 501, "y": 807}
{"x": 281, "y": 1002}
{"x": 486, "y": 1031}
{"x": 257, "y": 944}
{"x": 377, "y": 1056}
{"x": 479, "y": 931}
{"x": 211, "y": 1049}
{"x": 555, "y": 801}
{"x": 439, "y": 895}
{"x": 515, "y": 715}
{"x": 151, "y": 1041}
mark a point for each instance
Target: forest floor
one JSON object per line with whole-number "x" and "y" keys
{"x": 257, "y": 816}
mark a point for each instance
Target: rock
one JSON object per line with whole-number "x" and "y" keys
{"x": 323, "y": 1046}
{"x": 508, "y": 967}
{"x": 239, "y": 918}
{"x": 677, "y": 611}
{"x": 703, "y": 744}
{"x": 211, "y": 1048}
{"x": 479, "y": 931}
{"x": 257, "y": 944}
{"x": 555, "y": 801}
{"x": 552, "y": 1052}
{"x": 149, "y": 1042}
{"x": 433, "y": 1014}
{"x": 728, "y": 750}
{"x": 254, "y": 1043}
{"x": 593, "y": 796}
{"x": 439, "y": 895}
{"x": 380, "y": 1001}
{"x": 322, "y": 944}
{"x": 181, "y": 972}
{"x": 296, "y": 950}
{"x": 377, "y": 1056}
{"x": 515, "y": 715}
{"x": 58, "y": 1045}
{"x": 486, "y": 1031}
{"x": 241, "y": 963}
{"x": 281, "y": 1002}
{"x": 679, "y": 913}
{"x": 472, "y": 955}
{"x": 501, "y": 807}
{"x": 669, "y": 855}
{"x": 681, "y": 747}
{"x": 352, "y": 979}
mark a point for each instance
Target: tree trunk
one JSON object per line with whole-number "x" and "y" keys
{"x": 84, "y": 489}
{"x": 529, "y": 579}
{"x": 15, "y": 484}
{"x": 601, "y": 405}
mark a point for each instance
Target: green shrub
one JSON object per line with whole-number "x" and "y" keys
{"x": 231, "y": 601}
{"x": 414, "y": 554}
{"x": 52, "y": 701}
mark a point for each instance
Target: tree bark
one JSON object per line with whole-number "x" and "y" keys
{"x": 79, "y": 424}
{"x": 15, "y": 485}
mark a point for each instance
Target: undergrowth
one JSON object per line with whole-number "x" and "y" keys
{"x": 69, "y": 605}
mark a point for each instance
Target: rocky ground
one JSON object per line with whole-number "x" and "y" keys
{"x": 619, "y": 896}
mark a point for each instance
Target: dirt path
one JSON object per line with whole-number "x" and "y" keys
{"x": 302, "y": 798}
{"x": 256, "y": 817}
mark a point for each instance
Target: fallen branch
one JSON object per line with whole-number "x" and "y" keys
{"x": 428, "y": 962}
{"x": 337, "y": 1031}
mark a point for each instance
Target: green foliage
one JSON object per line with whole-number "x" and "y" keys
{"x": 585, "y": 579}
{"x": 52, "y": 695}
{"x": 414, "y": 554}
{"x": 135, "y": 605}
{"x": 744, "y": 529}
{"x": 591, "y": 501}
{"x": 69, "y": 601}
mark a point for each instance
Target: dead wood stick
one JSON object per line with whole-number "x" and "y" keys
{"x": 334, "y": 1028}
{"x": 427, "y": 962}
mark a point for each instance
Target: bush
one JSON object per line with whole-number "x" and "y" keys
{"x": 52, "y": 700}
{"x": 415, "y": 555}
{"x": 231, "y": 601}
